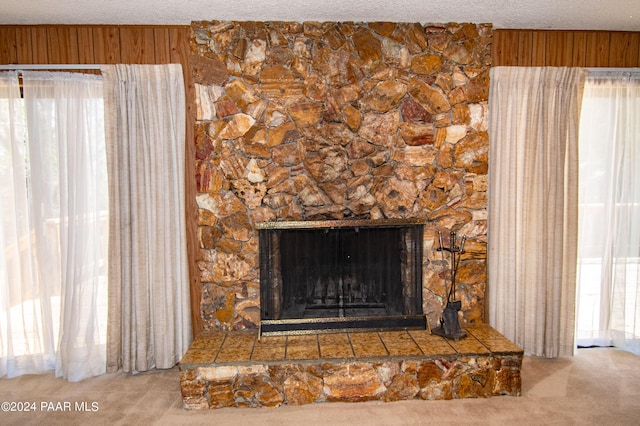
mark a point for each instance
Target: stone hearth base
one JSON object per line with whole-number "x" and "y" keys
{"x": 236, "y": 369}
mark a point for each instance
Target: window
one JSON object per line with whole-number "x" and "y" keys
{"x": 54, "y": 225}
{"x": 609, "y": 212}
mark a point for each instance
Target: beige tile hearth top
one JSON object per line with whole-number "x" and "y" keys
{"x": 244, "y": 347}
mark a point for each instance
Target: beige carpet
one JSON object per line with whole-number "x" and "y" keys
{"x": 598, "y": 386}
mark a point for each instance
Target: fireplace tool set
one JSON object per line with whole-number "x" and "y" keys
{"x": 449, "y": 324}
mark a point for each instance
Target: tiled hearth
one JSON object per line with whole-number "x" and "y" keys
{"x": 238, "y": 369}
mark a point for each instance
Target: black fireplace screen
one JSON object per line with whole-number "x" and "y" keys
{"x": 311, "y": 271}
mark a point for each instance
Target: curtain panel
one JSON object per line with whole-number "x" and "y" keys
{"x": 149, "y": 311}
{"x": 533, "y": 209}
{"x": 27, "y": 347}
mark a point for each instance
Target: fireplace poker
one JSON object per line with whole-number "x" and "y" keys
{"x": 454, "y": 271}
{"x": 449, "y": 323}
{"x": 446, "y": 292}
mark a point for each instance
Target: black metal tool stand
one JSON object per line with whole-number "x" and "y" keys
{"x": 449, "y": 324}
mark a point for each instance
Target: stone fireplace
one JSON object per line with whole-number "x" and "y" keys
{"x": 330, "y": 157}
{"x": 337, "y": 121}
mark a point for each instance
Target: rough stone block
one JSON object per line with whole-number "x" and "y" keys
{"x": 352, "y": 383}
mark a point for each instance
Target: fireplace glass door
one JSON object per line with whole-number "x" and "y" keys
{"x": 334, "y": 270}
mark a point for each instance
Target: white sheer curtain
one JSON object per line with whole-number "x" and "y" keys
{"x": 27, "y": 339}
{"x": 149, "y": 317}
{"x": 533, "y": 165}
{"x": 609, "y": 221}
{"x": 54, "y": 217}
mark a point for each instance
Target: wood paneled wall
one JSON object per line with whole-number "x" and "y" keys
{"x": 91, "y": 44}
{"x": 566, "y": 48}
{"x": 57, "y": 44}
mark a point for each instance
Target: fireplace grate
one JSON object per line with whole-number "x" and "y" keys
{"x": 335, "y": 325}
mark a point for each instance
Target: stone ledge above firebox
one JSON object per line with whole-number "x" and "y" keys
{"x": 225, "y": 369}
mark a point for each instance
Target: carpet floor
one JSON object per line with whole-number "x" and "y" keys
{"x": 596, "y": 387}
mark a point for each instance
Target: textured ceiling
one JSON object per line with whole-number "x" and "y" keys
{"x": 541, "y": 14}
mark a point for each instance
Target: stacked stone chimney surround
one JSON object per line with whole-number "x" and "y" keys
{"x": 338, "y": 120}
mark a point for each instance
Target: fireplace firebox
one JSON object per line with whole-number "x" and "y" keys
{"x": 321, "y": 276}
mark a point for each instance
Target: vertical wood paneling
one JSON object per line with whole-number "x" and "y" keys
{"x": 24, "y": 50}
{"x": 179, "y": 45}
{"x": 106, "y": 42}
{"x": 506, "y": 47}
{"x": 139, "y": 48}
{"x": 579, "y": 58}
{"x": 40, "y": 45}
{"x": 624, "y": 49}
{"x": 62, "y": 45}
{"x": 568, "y": 48}
{"x": 598, "y": 49}
{"x": 525, "y": 48}
{"x": 180, "y": 53}
{"x": 8, "y": 49}
{"x": 85, "y": 46}
{"x": 559, "y": 49}
{"x": 538, "y": 49}
{"x": 497, "y": 46}
{"x": 161, "y": 46}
